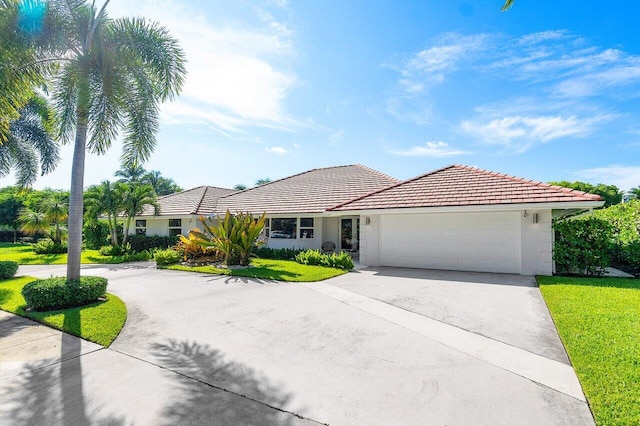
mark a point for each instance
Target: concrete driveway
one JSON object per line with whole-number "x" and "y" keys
{"x": 376, "y": 346}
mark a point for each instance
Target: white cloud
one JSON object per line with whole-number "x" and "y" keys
{"x": 238, "y": 75}
{"x": 432, "y": 149}
{"x": 277, "y": 150}
{"x": 624, "y": 177}
{"x": 519, "y": 133}
{"x": 334, "y": 138}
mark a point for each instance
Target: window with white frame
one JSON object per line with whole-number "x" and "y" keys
{"x": 141, "y": 227}
{"x": 283, "y": 228}
{"x": 175, "y": 227}
{"x": 306, "y": 227}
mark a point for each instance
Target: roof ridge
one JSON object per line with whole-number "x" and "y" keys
{"x": 531, "y": 182}
{"x": 199, "y": 203}
{"x": 180, "y": 192}
{"x": 372, "y": 170}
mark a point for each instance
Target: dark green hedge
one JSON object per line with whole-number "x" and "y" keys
{"x": 56, "y": 293}
{"x": 148, "y": 242}
{"x": 582, "y": 246}
{"x": 8, "y": 269}
{"x": 277, "y": 254}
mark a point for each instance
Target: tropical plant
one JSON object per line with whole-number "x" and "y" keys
{"x": 507, "y": 5}
{"x": 189, "y": 247}
{"x": 161, "y": 185}
{"x": 56, "y": 211}
{"x": 262, "y": 181}
{"x": 166, "y": 257}
{"x": 105, "y": 199}
{"x": 610, "y": 193}
{"x": 240, "y": 187}
{"x": 235, "y": 237}
{"x": 29, "y": 147}
{"x": 134, "y": 199}
{"x": 11, "y": 203}
{"x": 581, "y": 246}
{"x": 110, "y": 75}
{"x": 130, "y": 173}
{"x": 34, "y": 222}
{"x": 635, "y": 193}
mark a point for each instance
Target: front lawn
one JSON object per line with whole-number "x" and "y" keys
{"x": 99, "y": 322}
{"x": 24, "y": 255}
{"x": 598, "y": 320}
{"x": 267, "y": 269}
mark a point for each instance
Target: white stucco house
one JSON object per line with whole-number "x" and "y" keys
{"x": 457, "y": 218}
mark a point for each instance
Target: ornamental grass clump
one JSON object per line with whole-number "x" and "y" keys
{"x": 57, "y": 293}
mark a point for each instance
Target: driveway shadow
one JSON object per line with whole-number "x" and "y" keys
{"x": 215, "y": 390}
{"x": 460, "y": 276}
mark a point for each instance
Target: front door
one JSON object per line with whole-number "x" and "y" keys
{"x": 349, "y": 233}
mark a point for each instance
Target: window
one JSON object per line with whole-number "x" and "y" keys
{"x": 267, "y": 225}
{"x": 306, "y": 227}
{"x": 283, "y": 228}
{"x": 175, "y": 227}
{"x": 141, "y": 227}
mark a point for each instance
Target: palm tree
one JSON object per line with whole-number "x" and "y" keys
{"x": 33, "y": 222}
{"x": 130, "y": 173}
{"x": 56, "y": 212}
{"x": 262, "y": 181}
{"x": 240, "y": 187}
{"x": 111, "y": 77}
{"x": 134, "y": 199}
{"x": 160, "y": 184}
{"x": 105, "y": 199}
{"x": 29, "y": 147}
{"x": 507, "y": 5}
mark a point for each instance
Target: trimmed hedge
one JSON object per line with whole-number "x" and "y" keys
{"x": 8, "y": 269}
{"x": 96, "y": 234}
{"x": 57, "y": 293}
{"x": 277, "y": 254}
{"x": 582, "y": 246}
{"x": 149, "y": 242}
{"x": 333, "y": 260}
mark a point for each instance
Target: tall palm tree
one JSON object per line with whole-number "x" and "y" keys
{"x": 29, "y": 147}
{"x": 130, "y": 173}
{"x": 112, "y": 76}
{"x": 105, "y": 199}
{"x": 134, "y": 199}
{"x": 56, "y": 212}
{"x": 160, "y": 184}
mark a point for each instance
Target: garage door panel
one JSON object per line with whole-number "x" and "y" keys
{"x": 487, "y": 242}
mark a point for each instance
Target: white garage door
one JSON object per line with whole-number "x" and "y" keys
{"x": 485, "y": 242}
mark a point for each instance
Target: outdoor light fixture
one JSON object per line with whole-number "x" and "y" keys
{"x": 535, "y": 218}
{"x": 525, "y": 214}
{"x": 367, "y": 220}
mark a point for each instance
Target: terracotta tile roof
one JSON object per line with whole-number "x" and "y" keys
{"x": 458, "y": 185}
{"x": 201, "y": 201}
{"x": 309, "y": 192}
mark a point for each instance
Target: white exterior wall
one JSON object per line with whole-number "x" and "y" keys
{"x": 369, "y": 238}
{"x": 159, "y": 225}
{"x": 537, "y": 243}
{"x": 331, "y": 230}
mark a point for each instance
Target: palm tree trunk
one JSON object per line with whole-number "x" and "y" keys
{"x": 76, "y": 202}
{"x": 126, "y": 231}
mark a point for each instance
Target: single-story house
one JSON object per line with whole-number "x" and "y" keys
{"x": 457, "y": 218}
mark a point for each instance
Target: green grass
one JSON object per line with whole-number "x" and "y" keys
{"x": 599, "y": 322}
{"x": 99, "y": 322}
{"x": 267, "y": 269}
{"x": 24, "y": 255}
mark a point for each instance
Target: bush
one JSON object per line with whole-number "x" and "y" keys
{"x": 56, "y": 293}
{"x": 49, "y": 247}
{"x": 582, "y": 246}
{"x": 167, "y": 257}
{"x": 625, "y": 223}
{"x": 8, "y": 269}
{"x": 113, "y": 250}
{"x": 136, "y": 257}
{"x": 150, "y": 242}
{"x": 277, "y": 254}
{"x": 333, "y": 260}
{"x": 96, "y": 234}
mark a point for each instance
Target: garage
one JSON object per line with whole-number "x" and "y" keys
{"x": 483, "y": 242}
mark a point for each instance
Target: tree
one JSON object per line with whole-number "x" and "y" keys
{"x": 635, "y": 193}
{"x": 105, "y": 199}
{"x": 134, "y": 199}
{"x": 130, "y": 173}
{"x": 240, "y": 187}
{"x": 161, "y": 185}
{"x": 111, "y": 76}
{"x": 610, "y": 193}
{"x": 56, "y": 212}
{"x": 11, "y": 203}
{"x": 29, "y": 146}
{"x": 33, "y": 222}
{"x": 262, "y": 181}
{"x": 507, "y": 5}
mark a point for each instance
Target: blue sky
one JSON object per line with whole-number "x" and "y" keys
{"x": 548, "y": 90}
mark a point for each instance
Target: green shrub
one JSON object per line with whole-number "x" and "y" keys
{"x": 150, "y": 242}
{"x": 8, "y": 269}
{"x": 113, "y": 250}
{"x": 56, "y": 293}
{"x": 277, "y": 254}
{"x": 582, "y": 246}
{"x": 167, "y": 257}
{"x": 625, "y": 223}
{"x": 49, "y": 247}
{"x": 333, "y": 260}
{"x": 96, "y": 234}
{"x": 136, "y": 257}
